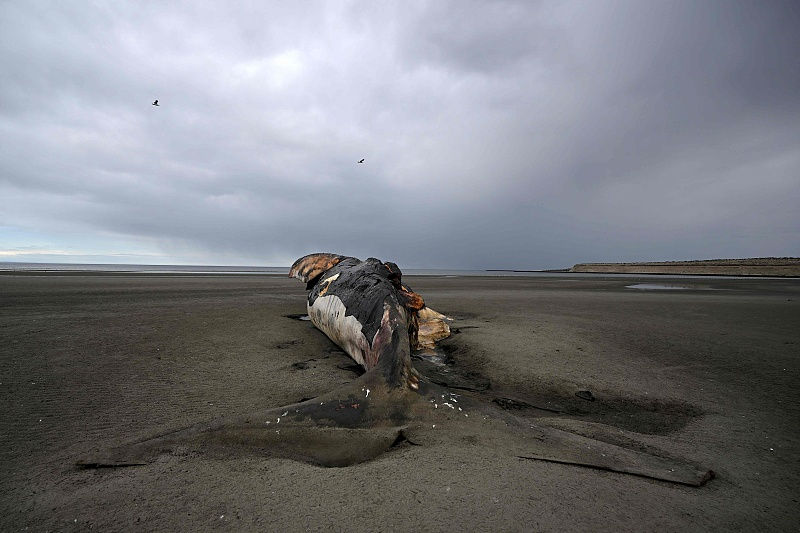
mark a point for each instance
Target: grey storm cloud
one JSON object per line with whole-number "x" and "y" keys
{"x": 496, "y": 134}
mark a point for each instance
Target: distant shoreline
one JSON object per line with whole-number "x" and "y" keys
{"x": 555, "y": 270}
{"x": 755, "y": 266}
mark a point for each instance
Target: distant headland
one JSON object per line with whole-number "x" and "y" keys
{"x": 754, "y": 266}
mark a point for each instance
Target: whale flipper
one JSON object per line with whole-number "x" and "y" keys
{"x": 559, "y": 446}
{"x": 311, "y": 266}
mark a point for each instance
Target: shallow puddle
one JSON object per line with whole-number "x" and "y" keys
{"x": 298, "y": 317}
{"x": 435, "y": 356}
{"x": 656, "y": 287}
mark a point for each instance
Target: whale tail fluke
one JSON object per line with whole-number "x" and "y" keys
{"x": 350, "y": 425}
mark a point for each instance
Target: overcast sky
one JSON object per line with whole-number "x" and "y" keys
{"x": 495, "y": 134}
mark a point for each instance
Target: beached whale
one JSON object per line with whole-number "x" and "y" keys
{"x": 366, "y": 309}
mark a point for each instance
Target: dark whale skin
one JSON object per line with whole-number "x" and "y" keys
{"x": 365, "y": 309}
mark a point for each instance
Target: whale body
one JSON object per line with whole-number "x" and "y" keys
{"x": 366, "y": 309}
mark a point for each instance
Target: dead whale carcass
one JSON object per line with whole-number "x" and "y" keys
{"x": 364, "y": 307}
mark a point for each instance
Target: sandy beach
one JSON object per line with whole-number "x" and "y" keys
{"x": 702, "y": 370}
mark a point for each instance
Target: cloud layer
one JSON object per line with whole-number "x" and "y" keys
{"x": 496, "y": 134}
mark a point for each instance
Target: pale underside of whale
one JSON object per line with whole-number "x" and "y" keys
{"x": 365, "y": 418}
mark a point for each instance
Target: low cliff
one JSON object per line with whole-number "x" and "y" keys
{"x": 757, "y": 266}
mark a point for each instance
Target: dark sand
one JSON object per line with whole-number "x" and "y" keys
{"x": 708, "y": 374}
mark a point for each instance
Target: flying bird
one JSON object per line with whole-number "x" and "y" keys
{"x": 155, "y": 103}
{"x": 359, "y": 161}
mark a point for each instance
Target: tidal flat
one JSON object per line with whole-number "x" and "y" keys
{"x": 707, "y": 374}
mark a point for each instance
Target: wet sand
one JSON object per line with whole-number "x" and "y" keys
{"x": 707, "y": 373}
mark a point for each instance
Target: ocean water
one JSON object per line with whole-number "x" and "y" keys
{"x": 219, "y": 269}
{"x": 11, "y": 266}
{"x": 657, "y": 287}
{"x": 153, "y": 269}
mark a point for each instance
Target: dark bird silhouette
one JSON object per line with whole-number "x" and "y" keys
{"x": 155, "y": 103}
{"x": 361, "y": 161}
